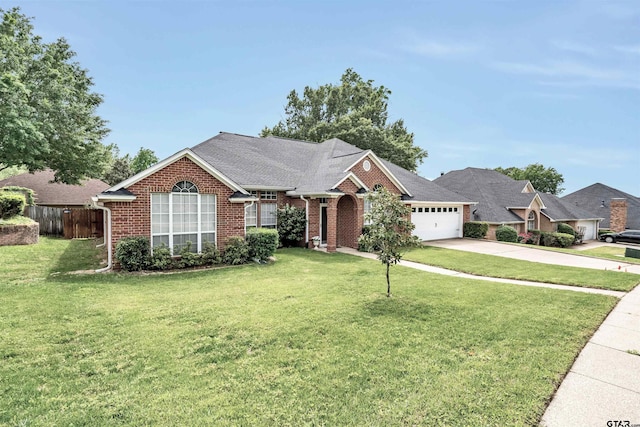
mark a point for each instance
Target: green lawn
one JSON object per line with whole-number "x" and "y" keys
{"x": 309, "y": 340}
{"x": 495, "y": 266}
{"x": 615, "y": 253}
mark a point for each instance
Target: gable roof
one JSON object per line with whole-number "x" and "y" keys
{"x": 497, "y": 194}
{"x": 591, "y": 199}
{"x": 49, "y": 193}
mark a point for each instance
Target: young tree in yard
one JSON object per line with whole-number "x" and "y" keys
{"x": 119, "y": 168}
{"x": 545, "y": 180}
{"x": 354, "y": 111}
{"x": 47, "y": 110}
{"x": 390, "y": 229}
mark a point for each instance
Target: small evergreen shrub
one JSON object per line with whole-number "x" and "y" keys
{"x": 506, "y": 233}
{"x": 210, "y": 254}
{"x": 632, "y": 253}
{"x": 28, "y": 193}
{"x": 535, "y": 235}
{"x": 187, "y": 258}
{"x": 566, "y": 229}
{"x": 557, "y": 240}
{"x": 262, "y": 242}
{"x": 291, "y": 225}
{"x": 161, "y": 258}
{"x": 11, "y": 204}
{"x": 133, "y": 253}
{"x": 475, "y": 229}
{"x": 236, "y": 252}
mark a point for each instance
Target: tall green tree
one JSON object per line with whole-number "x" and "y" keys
{"x": 390, "y": 229}
{"x": 354, "y": 111}
{"x": 119, "y": 167}
{"x": 47, "y": 110}
{"x": 545, "y": 180}
{"x": 143, "y": 159}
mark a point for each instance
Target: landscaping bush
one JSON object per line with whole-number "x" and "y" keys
{"x": 506, "y": 233}
{"x": 557, "y": 240}
{"x": 291, "y": 225}
{"x": 210, "y": 254}
{"x": 566, "y": 229}
{"x": 236, "y": 252}
{"x": 133, "y": 253}
{"x": 632, "y": 253}
{"x": 535, "y": 235}
{"x": 262, "y": 242}
{"x": 475, "y": 230}
{"x": 187, "y": 258}
{"x": 11, "y": 204}
{"x": 29, "y": 196}
{"x": 526, "y": 238}
{"x": 161, "y": 258}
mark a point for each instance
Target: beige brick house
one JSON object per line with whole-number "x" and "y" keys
{"x": 229, "y": 183}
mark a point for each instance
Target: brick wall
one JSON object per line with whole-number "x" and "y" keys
{"x": 618, "y": 219}
{"x": 134, "y": 218}
{"x": 374, "y": 176}
{"x": 22, "y": 234}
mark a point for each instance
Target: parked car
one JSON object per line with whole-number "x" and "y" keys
{"x": 628, "y": 236}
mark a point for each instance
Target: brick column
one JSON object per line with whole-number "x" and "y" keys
{"x": 332, "y": 224}
{"x": 618, "y": 218}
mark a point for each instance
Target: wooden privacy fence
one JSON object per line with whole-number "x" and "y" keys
{"x": 69, "y": 223}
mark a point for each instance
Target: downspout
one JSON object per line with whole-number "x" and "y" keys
{"x": 306, "y": 225}
{"x": 107, "y": 238}
{"x": 245, "y": 215}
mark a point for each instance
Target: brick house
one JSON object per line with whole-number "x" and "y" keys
{"x": 229, "y": 183}
{"x": 505, "y": 201}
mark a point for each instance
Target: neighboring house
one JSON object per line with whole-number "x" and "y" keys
{"x": 620, "y": 210}
{"x": 229, "y": 183}
{"x": 61, "y": 209}
{"x": 503, "y": 200}
{"x": 56, "y": 194}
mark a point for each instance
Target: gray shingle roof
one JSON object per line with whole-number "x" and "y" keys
{"x": 307, "y": 167}
{"x": 590, "y": 199}
{"x": 496, "y": 192}
{"x": 48, "y": 193}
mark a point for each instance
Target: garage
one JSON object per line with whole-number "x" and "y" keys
{"x": 590, "y": 232}
{"x": 437, "y": 222}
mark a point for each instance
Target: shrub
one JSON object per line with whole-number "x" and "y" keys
{"x": 262, "y": 242}
{"x": 363, "y": 241}
{"x": 558, "y": 240}
{"x": 632, "y": 253}
{"x": 236, "y": 252}
{"x": 11, "y": 204}
{"x": 291, "y": 224}
{"x": 527, "y": 238}
{"x": 161, "y": 258}
{"x": 506, "y": 233}
{"x": 535, "y": 236}
{"x": 133, "y": 253}
{"x": 566, "y": 229}
{"x": 27, "y": 192}
{"x": 187, "y": 258}
{"x": 210, "y": 254}
{"x": 475, "y": 230}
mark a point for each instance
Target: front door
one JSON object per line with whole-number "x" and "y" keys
{"x": 323, "y": 224}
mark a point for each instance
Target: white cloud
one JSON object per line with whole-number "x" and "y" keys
{"x": 574, "y": 47}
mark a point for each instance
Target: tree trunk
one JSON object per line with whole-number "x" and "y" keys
{"x": 388, "y": 283}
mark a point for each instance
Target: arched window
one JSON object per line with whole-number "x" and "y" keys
{"x": 531, "y": 221}
{"x": 377, "y": 187}
{"x": 182, "y": 216}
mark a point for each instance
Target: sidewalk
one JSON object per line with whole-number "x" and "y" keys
{"x": 604, "y": 382}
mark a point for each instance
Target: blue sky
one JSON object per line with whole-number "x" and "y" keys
{"x": 482, "y": 84}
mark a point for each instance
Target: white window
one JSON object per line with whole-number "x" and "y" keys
{"x": 268, "y": 195}
{"x": 268, "y": 215}
{"x": 531, "y": 221}
{"x": 367, "y": 209}
{"x": 183, "y": 216}
{"x": 250, "y": 215}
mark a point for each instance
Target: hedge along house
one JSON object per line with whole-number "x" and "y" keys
{"x": 505, "y": 201}
{"x": 230, "y": 183}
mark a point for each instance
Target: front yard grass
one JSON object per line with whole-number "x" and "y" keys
{"x": 495, "y": 266}
{"x": 615, "y": 253}
{"x": 309, "y": 340}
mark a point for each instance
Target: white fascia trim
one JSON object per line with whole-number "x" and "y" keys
{"x": 570, "y": 219}
{"x": 423, "y": 203}
{"x": 169, "y": 160}
{"x": 243, "y": 200}
{"x": 537, "y": 196}
{"x": 113, "y": 198}
{"x": 327, "y": 195}
{"x": 353, "y": 179}
{"x": 253, "y": 187}
{"x": 528, "y": 186}
{"x": 382, "y": 167}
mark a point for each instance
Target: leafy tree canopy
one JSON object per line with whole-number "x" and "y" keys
{"x": 354, "y": 111}
{"x": 545, "y": 180}
{"x": 143, "y": 160}
{"x": 47, "y": 110}
{"x": 390, "y": 229}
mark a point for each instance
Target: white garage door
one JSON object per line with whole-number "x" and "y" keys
{"x": 590, "y": 227}
{"x": 437, "y": 222}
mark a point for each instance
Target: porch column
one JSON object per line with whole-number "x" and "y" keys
{"x": 332, "y": 224}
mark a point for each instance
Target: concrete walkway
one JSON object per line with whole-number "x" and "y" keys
{"x": 604, "y": 382}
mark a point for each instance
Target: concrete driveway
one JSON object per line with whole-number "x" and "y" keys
{"x": 531, "y": 253}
